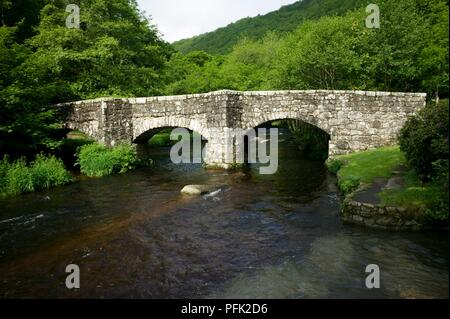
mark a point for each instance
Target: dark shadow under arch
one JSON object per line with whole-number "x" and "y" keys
{"x": 147, "y": 135}
{"x": 311, "y": 139}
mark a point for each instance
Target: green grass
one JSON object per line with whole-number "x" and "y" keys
{"x": 429, "y": 197}
{"x": 364, "y": 167}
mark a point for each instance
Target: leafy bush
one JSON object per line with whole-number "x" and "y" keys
{"x": 4, "y": 167}
{"x": 334, "y": 165}
{"x": 440, "y": 172}
{"x": 126, "y": 156}
{"x": 19, "y": 178}
{"x": 96, "y": 160}
{"x": 437, "y": 211}
{"x": 44, "y": 173}
{"x": 424, "y": 139}
{"x": 67, "y": 150}
{"x": 48, "y": 172}
{"x": 349, "y": 185}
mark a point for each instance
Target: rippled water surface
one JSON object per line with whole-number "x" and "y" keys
{"x": 136, "y": 236}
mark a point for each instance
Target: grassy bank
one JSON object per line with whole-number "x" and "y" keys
{"x": 359, "y": 170}
{"x": 362, "y": 168}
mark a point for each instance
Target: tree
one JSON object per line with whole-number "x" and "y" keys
{"x": 434, "y": 57}
{"x": 250, "y": 65}
{"x": 116, "y": 53}
{"x": 322, "y": 55}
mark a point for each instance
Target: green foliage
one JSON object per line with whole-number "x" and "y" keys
{"x": 44, "y": 173}
{"x": 424, "y": 139}
{"x": 408, "y": 53}
{"x": 68, "y": 147}
{"x": 195, "y": 72}
{"x": 284, "y": 20}
{"x": 117, "y": 52}
{"x": 49, "y": 172}
{"x": 4, "y": 167}
{"x": 322, "y": 54}
{"x": 96, "y": 160}
{"x": 19, "y": 179}
{"x": 161, "y": 139}
{"x": 434, "y": 56}
{"x": 312, "y": 140}
{"x": 364, "y": 167}
{"x": 349, "y": 185}
{"x": 334, "y": 165}
{"x": 21, "y": 13}
{"x": 429, "y": 198}
{"x": 441, "y": 172}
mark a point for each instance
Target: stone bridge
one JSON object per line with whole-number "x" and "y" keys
{"x": 354, "y": 120}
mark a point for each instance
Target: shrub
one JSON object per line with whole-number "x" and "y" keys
{"x": 48, "y": 172}
{"x": 437, "y": 210}
{"x": 334, "y": 165}
{"x": 67, "y": 150}
{"x": 96, "y": 160}
{"x": 424, "y": 139}
{"x": 18, "y": 177}
{"x": 440, "y": 172}
{"x": 126, "y": 157}
{"x": 349, "y": 185}
{"x": 4, "y": 167}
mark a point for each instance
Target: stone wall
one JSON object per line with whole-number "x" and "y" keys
{"x": 355, "y": 120}
{"x": 379, "y": 216}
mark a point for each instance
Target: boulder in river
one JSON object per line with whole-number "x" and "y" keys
{"x": 197, "y": 190}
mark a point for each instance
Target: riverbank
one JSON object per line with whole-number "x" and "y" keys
{"x": 381, "y": 191}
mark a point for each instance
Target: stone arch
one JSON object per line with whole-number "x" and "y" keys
{"x": 90, "y": 129}
{"x": 278, "y": 116}
{"x": 146, "y": 128}
{"x": 258, "y": 122}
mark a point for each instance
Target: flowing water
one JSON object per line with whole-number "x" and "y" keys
{"x": 277, "y": 236}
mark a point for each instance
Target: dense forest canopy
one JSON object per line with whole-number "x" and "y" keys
{"x": 118, "y": 52}
{"x": 284, "y": 20}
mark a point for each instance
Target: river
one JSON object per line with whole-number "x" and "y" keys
{"x": 277, "y": 236}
